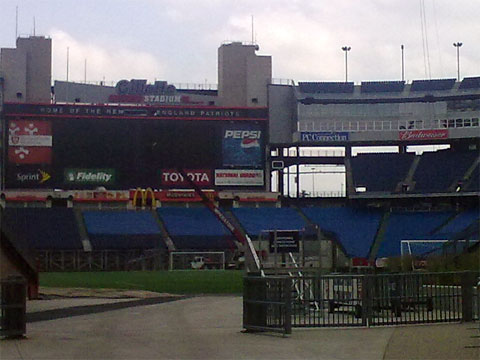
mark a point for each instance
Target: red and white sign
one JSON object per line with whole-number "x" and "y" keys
{"x": 30, "y": 142}
{"x": 171, "y": 177}
{"x": 29, "y": 155}
{"x": 412, "y": 135}
{"x": 239, "y": 177}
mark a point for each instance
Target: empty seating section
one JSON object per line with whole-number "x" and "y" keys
{"x": 380, "y": 172}
{"x": 120, "y": 230}
{"x": 432, "y": 85}
{"x": 454, "y": 228}
{"x": 355, "y": 229}
{"x": 437, "y": 171}
{"x": 256, "y": 220}
{"x": 382, "y": 86}
{"x": 470, "y": 83}
{"x": 195, "y": 229}
{"x": 474, "y": 183}
{"x": 410, "y": 226}
{"x": 326, "y": 87}
{"x": 45, "y": 229}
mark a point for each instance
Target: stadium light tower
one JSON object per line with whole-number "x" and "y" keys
{"x": 346, "y": 49}
{"x": 458, "y": 45}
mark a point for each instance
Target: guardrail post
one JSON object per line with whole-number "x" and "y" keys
{"x": 287, "y": 295}
{"x": 468, "y": 282}
{"x": 13, "y": 307}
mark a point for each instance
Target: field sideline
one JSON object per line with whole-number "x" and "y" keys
{"x": 173, "y": 282}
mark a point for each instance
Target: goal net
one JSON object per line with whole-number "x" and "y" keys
{"x": 197, "y": 260}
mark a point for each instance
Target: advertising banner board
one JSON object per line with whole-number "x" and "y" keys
{"x": 171, "y": 177}
{"x": 90, "y": 176}
{"x": 239, "y": 177}
{"x": 242, "y": 146}
{"x": 413, "y": 135}
{"x": 323, "y": 136}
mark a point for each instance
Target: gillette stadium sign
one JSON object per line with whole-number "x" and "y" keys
{"x": 323, "y": 136}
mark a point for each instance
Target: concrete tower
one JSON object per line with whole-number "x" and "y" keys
{"x": 243, "y": 76}
{"x": 27, "y": 70}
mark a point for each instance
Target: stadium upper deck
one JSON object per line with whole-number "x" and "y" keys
{"x": 379, "y": 112}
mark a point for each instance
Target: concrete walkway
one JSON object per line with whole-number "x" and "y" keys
{"x": 208, "y": 327}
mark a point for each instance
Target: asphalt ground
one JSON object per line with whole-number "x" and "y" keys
{"x": 161, "y": 326}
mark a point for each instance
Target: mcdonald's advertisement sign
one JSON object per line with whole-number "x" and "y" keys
{"x": 90, "y": 176}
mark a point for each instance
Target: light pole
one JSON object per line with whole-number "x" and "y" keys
{"x": 403, "y": 61}
{"x": 346, "y": 49}
{"x": 458, "y": 45}
{"x": 313, "y": 182}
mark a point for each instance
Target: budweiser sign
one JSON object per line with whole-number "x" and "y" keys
{"x": 423, "y": 134}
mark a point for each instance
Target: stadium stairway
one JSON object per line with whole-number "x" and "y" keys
{"x": 82, "y": 230}
{"x": 467, "y": 178}
{"x": 379, "y": 237}
{"x": 409, "y": 177}
{"x": 164, "y": 232}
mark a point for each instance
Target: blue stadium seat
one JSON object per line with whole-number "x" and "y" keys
{"x": 355, "y": 229}
{"x": 380, "y": 172}
{"x": 410, "y": 226}
{"x": 115, "y": 230}
{"x": 382, "y": 86}
{"x": 45, "y": 229}
{"x": 326, "y": 87}
{"x": 256, "y": 220}
{"x": 432, "y": 85}
{"x": 457, "y": 225}
{"x": 470, "y": 83}
{"x": 195, "y": 229}
{"x": 438, "y": 170}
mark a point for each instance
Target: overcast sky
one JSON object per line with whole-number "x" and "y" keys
{"x": 177, "y": 40}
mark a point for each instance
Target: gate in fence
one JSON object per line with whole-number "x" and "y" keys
{"x": 359, "y": 300}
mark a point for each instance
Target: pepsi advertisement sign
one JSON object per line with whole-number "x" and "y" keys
{"x": 242, "y": 147}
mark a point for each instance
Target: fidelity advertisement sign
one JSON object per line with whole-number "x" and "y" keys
{"x": 171, "y": 177}
{"x": 239, "y": 177}
{"x": 242, "y": 146}
{"x": 29, "y": 142}
{"x": 90, "y": 176}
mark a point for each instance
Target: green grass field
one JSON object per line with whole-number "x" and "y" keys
{"x": 174, "y": 282}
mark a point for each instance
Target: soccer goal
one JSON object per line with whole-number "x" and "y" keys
{"x": 197, "y": 260}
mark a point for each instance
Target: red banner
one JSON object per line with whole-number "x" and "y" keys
{"x": 171, "y": 177}
{"x": 29, "y": 155}
{"x": 35, "y": 132}
{"x": 412, "y": 135}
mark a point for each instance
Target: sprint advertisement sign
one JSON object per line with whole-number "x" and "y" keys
{"x": 90, "y": 176}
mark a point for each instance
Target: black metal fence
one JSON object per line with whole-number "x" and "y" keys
{"x": 267, "y": 304}
{"x": 363, "y": 300}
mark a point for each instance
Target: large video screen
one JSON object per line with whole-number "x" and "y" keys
{"x": 124, "y": 153}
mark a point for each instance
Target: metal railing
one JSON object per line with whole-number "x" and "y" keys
{"x": 368, "y": 300}
{"x": 385, "y": 125}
